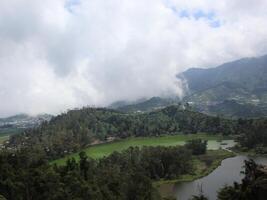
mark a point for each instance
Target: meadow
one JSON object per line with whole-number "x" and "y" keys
{"x": 100, "y": 150}
{"x": 3, "y": 138}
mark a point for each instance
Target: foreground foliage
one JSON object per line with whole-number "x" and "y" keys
{"x": 26, "y": 175}
{"x": 252, "y": 187}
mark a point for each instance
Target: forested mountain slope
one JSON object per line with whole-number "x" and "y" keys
{"x": 235, "y": 89}
{"x": 247, "y": 73}
{"x": 151, "y": 104}
{"x": 243, "y": 82}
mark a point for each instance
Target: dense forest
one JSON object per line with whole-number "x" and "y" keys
{"x": 253, "y": 135}
{"x": 27, "y": 175}
{"x": 76, "y": 129}
{"x": 25, "y": 172}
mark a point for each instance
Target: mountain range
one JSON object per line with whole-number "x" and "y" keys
{"x": 234, "y": 89}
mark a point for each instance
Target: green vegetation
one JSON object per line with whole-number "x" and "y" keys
{"x": 149, "y": 105}
{"x": 235, "y": 89}
{"x": 130, "y": 173}
{"x": 197, "y": 146}
{"x": 202, "y": 166}
{"x": 75, "y": 130}
{"x": 233, "y": 109}
{"x": 9, "y": 131}
{"x": 142, "y": 153}
{"x": 121, "y": 175}
{"x": 6, "y": 132}
{"x": 98, "y": 151}
{"x": 3, "y": 138}
{"x": 199, "y": 197}
{"x": 26, "y": 175}
{"x": 253, "y": 135}
{"x": 252, "y": 187}
{"x": 120, "y": 170}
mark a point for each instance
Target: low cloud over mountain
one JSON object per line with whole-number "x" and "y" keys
{"x": 56, "y": 55}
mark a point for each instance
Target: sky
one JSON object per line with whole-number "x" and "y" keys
{"x": 63, "y": 54}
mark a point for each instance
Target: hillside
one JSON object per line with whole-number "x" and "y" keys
{"x": 76, "y": 129}
{"x": 18, "y": 123}
{"x": 151, "y": 104}
{"x": 235, "y": 89}
{"x": 242, "y": 82}
{"x": 249, "y": 74}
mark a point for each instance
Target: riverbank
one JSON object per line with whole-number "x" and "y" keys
{"x": 203, "y": 165}
{"x": 249, "y": 152}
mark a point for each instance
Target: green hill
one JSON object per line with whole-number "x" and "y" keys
{"x": 77, "y": 129}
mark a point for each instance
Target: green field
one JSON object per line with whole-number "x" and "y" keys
{"x": 100, "y": 150}
{"x": 3, "y": 138}
{"x": 6, "y": 132}
{"x": 10, "y": 131}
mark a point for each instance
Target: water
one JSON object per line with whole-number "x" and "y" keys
{"x": 227, "y": 173}
{"x": 224, "y": 144}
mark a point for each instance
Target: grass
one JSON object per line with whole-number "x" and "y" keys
{"x": 101, "y": 150}
{"x": 6, "y": 132}
{"x": 203, "y": 165}
{"x": 3, "y": 138}
{"x": 10, "y": 131}
{"x": 249, "y": 152}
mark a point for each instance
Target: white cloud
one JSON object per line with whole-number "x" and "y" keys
{"x": 56, "y": 55}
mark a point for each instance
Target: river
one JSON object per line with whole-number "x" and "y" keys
{"x": 227, "y": 173}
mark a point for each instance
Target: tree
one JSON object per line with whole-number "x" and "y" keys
{"x": 200, "y": 196}
{"x": 84, "y": 164}
{"x": 252, "y": 187}
{"x": 197, "y": 146}
{"x": 2, "y": 198}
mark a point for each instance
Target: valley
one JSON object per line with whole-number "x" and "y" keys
{"x": 133, "y": 100}
{"x": 162, "y": 147}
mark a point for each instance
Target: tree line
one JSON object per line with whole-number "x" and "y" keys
{"x": 76, "y": 129}
{"x": 126, "y": 175}
{"x": 253, "y": 135}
